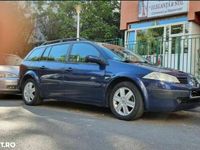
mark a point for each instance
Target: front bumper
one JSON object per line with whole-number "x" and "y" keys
{"x": 168, "y": 97}
{"x": 9, "y": 86}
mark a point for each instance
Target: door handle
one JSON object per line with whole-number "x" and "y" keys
{"x": 69, "y": 69}
{"x": 43, "y": 67}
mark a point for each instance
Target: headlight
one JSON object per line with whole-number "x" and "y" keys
{"x": 161, "y": 77}
{"x": 194, "y": 81}
{"x": 7, "y": 75}
{"x": 198, "y": 80}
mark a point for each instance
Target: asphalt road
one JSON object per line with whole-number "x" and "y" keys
{"x": 66, "y": 126}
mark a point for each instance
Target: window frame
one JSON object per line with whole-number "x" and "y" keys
{"x": 89, "y": 63}
{"x": 44, "y": 52}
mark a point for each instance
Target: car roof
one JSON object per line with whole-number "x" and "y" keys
{"x": 64, "y": 42}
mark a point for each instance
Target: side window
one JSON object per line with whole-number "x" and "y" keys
{"x": 46, "y": 54}
{"x": 58, "y": 53}
{"x": 36, "y": 54}
{"x": 81, "y": 50}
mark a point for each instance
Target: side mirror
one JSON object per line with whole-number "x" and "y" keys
{"x": 95, "y": 59}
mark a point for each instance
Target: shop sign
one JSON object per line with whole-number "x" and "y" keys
{"x": 150, "y": 9}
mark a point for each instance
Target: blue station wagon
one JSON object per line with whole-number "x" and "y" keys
{"x": 87, "y": 72}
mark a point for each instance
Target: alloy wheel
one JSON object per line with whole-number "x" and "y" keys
{"x": 124, "y": 101}
{"x": 29, "y": 92}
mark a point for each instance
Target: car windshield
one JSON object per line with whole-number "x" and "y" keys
{"x": 124, "y": 55}
{"x": 129, "y": 56}
{"x": 10, "y": 60}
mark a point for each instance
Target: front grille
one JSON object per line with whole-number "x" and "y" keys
{"x": 183, "y": 80}
{"x": 11, "y": 87}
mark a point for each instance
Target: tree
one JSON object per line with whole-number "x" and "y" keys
{"x": 99, "y": 19}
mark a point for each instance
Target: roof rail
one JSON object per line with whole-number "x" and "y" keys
{"x": 63, "y": 40}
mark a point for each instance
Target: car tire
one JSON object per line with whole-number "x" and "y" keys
{"x": 126, "y": 101}
{"x": 30, "y": 93}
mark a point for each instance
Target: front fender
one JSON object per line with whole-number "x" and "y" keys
{"x": 137, "y": 81}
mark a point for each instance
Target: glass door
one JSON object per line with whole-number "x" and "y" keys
{"x": 149, "y": 43}
{"x": 176, "y": 53}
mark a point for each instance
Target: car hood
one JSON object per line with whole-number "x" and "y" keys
{"x": 155, "y": 68}
{"x": 10, "y": 69}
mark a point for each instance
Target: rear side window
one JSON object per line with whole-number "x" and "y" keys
{"x": 36, "y": 54}
{"x": 58, "y": 53}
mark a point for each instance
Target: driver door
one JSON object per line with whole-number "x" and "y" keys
{"x": 83, "y": 81}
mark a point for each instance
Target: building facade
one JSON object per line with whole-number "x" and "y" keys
{"x": 165, "y": 32}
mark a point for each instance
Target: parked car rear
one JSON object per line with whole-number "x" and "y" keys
{"x": 9, "y": 73}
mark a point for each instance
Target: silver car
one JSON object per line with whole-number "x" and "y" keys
{"x": 9, "y": 73}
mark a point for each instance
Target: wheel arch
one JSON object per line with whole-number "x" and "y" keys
{"x": 28, "y": 75}
{"x": 137, "y": 82}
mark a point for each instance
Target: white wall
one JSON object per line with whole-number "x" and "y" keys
{"x": 194, "y": 28}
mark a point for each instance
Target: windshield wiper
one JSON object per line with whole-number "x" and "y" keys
{"x": 146, "y": 62}
{"x": 130, "y": 61}
{"x": 127, "y": 61}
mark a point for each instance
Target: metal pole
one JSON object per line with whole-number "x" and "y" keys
{"x": 78, "y": 11}
{"x": 78, "y": 25}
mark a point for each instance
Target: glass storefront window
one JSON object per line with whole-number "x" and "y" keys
{"x": 176, "y": 29}
{"x": 166, "y": 46}
{"x": 185, "y": 45}
{"x": 149, "y": 40}
{"x": 167, "y": 33}
{"x": 187, "y": 27}
{"x": 161, "y": 39}
{"x": 176, "y": 45}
